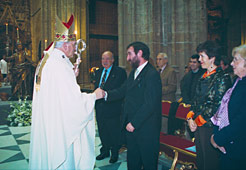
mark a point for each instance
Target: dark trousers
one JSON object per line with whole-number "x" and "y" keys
{"x": 173, "y": 123}
{"x": 142, "y": 152}
{"x": 109, "y": 132}
{"x": 229, "y": 163}
{"x": 207, "y": 156}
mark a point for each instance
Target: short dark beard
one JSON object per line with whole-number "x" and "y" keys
{"x": 135, "y": 62}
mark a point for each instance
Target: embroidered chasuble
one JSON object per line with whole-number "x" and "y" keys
{"x": 62, "y": 118}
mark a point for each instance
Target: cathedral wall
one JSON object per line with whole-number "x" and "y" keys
{"x": 171, "y": 26}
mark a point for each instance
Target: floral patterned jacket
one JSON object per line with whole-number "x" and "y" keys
{"x": 209, "y": 93}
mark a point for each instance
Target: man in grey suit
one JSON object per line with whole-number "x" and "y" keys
{"x": 142, "y": 109}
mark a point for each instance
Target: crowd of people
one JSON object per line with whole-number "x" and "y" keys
{"x": 128, "y": 108}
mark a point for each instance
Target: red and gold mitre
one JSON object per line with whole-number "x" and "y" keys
{"x": 64, "y": 31}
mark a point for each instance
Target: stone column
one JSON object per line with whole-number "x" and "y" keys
{"x": 35, "y": 28}
{"x": 135, "y": 23}
{"x": 172, "y": 26}
{"x": 187, "y": 27}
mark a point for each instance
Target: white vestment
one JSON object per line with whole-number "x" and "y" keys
{"x": 61, "y": 116}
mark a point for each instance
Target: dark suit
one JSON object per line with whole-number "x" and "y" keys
{"x": 108, "y": 113}
{"x": 233, "y": 137}
{"x": 188, "y": 85}
{"x": 142, "y": 108}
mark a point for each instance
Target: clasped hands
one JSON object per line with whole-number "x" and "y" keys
{"x": 100, "y": 93}
{"x": 192, "y": 125}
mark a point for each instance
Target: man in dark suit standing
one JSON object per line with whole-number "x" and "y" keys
{"x": 108, "y": 113}
{"x": 142, "y": 109}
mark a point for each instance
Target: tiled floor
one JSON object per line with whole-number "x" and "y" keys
{"x": 14, "y": 151}
{"x": 14, "y": 147}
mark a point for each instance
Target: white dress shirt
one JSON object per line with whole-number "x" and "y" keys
{"x": 139, "y": 69}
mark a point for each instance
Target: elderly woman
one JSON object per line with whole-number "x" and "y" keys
{"x": 230, "y": 137}
{"x": 209, "y": 92}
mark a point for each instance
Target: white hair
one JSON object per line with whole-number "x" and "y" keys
{"x": 164, "y": 55}
{"x": 59, "y": 44}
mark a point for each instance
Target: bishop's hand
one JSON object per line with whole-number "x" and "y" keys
{"x": 99, "y": 93}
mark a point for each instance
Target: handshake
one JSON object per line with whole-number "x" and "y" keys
{"x": 100, "y": 93}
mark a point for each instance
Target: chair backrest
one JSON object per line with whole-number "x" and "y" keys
{"x": 166, "y": 107}
{"x": 182, "y": 111}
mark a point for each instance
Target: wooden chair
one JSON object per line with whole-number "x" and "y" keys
{"x": 176, "y": 147}
{"x": 166, "y": 105}
{"x": 182, "y": 111}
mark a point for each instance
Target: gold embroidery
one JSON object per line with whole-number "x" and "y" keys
{"x": 39, "y": 72}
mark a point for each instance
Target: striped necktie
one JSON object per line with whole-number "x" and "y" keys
{"x": 103, "y": 79}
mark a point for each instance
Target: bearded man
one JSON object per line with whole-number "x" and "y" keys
{"x": 142, "y": 109}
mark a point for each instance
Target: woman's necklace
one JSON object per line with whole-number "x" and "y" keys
{"x": 209, "y": 72}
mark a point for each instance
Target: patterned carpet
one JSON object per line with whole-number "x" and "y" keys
{"x": 14, "y": 152}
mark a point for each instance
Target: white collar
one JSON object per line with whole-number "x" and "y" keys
{"x": 61, "y": 54}
{"x": 140, "y": 68}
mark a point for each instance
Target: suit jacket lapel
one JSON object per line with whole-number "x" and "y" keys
{"x": 130, "y": 79}
{"x": 165, "y": 70}
{"x": 139, "y": 77}
{"x": 111, "y": 76}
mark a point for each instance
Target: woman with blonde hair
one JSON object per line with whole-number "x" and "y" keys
{"x": 229, "y": 136}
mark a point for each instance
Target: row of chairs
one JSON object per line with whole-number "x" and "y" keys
{"x": 180, "y": 149}
{"x": 182, "y": 110}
